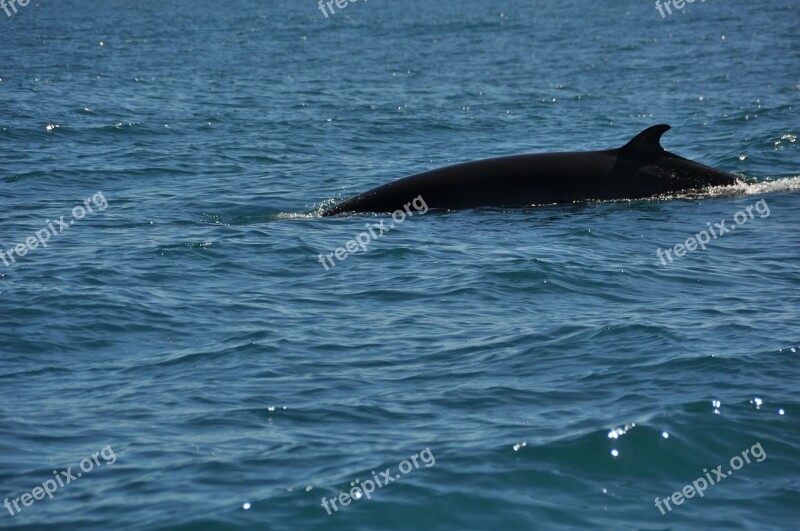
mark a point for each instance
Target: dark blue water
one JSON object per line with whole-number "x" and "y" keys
{"x": 541, "y": 365}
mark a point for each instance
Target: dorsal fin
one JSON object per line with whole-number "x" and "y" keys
{"x": 647, "y": 142}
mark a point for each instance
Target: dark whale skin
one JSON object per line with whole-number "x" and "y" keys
{"x": 640, "y": 169}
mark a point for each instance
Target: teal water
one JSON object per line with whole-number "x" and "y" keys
{"x": 559, "y": 375}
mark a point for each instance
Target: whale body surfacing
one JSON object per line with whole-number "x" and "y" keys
{"x": 639, "y": 169}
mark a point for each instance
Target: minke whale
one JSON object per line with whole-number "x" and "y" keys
{"x": 639, "y": 169}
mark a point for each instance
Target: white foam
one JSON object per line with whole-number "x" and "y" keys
{"x": 788, "y": 184}
{"x": 767, "y": 186}
{"x": 294, "y": 215}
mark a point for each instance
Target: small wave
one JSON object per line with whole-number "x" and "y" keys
{"x": 769, "y": 185}
{"x": 316, "y": 213}
{"x": 742, "y": 187}
{"x": 787, "y": 184}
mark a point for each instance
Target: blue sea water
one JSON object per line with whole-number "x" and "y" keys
{"x": 549, "y": 369}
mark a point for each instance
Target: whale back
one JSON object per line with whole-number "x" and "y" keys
{"x": 644, "y": 165}
{"x": 641, "y": 168}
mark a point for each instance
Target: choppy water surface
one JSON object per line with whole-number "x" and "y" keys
{"x": 554, "y": 373}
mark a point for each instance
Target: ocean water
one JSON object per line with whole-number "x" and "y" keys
{"x": 537, "y": 368}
